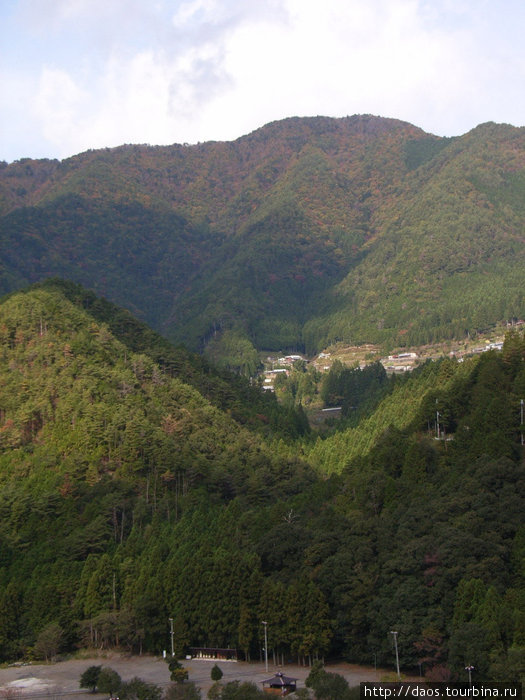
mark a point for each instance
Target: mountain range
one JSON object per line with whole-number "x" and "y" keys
{"x": 142, "y": 486}
{"x": 305, "y": 232}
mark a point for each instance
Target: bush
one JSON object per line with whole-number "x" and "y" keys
{"x": 215, "y": 692}
{"x": 89, "y": 679}
{"x": 137, "y": 689}
{"x": 179, "y": 675}
{"x": 316, "y": 672}
{"x": 241, "y": 691}
{"x": 216, "y": 673}
{"x": 327, "y": 686}
{"x": 109, "y": 681}
{"x": 188, "y": 691}
{"x": 177, "y": 671}
{"x": 301, "y": 694}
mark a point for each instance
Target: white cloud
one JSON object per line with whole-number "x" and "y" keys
{"x": 348, "y": 58}
{"x": 188, "y": 12}
{"x": 117, "y": 71}
{"x": 60, "y": 105}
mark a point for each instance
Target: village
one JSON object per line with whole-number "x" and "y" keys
{"x": 363, "y": 355}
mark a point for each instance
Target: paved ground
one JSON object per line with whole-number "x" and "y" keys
{"x": 49, "y": 680}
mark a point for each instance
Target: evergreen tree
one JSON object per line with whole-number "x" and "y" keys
{"x": 109, "y": 681}
{"x": 89, "y": 679}
{"x": 216, "y": 673}
{"x": 48, "y": 642}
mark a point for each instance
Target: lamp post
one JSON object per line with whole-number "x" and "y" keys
{"x": 469, "y": 668}
{"x": 521, "y": 421}
{"x": 171, "y": 634}
{"x": 394, "y": 634}
{"x": 265, "y": 645}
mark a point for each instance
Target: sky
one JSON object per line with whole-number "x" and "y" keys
{"x": 81, "y": 74}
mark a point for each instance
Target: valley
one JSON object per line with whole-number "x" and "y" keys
{"x": 150, "y": 487}
{"x": 156, "y": 470}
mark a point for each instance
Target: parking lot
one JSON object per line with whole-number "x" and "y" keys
{"x": 62, "y": 678}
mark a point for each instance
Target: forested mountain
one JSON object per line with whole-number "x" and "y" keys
{"x": 306, "y": 231}
{"x": 127, "y": 497}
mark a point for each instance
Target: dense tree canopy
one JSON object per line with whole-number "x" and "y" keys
{"x": 303, "y": 233}
{"x": 121, "y": 483}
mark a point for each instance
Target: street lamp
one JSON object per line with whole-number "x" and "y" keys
{"x": 392, "y": 632}
{"x": 521, "y": 421}
{"x": 469, "y": 669}
{"x": 265, "y": 645}
{"x": 171, "y": 633}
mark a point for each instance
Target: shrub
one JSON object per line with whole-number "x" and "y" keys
{"x": 137, "y": 689}
{"x": 89, "y": 679}
{"x": 109, "y": 681}
{"x": 216, "y": 673}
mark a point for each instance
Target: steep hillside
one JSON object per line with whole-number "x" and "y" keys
{"x": 448, "y": 258}
{"x": 305, "y": 232}
{"x": 127, "y": 498}
{"x": 96, "y": 443}
{"x": 228, "y": 391}
{"x": 76, "y": 402}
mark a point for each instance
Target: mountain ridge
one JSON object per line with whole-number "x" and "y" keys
{"x": 304, "y": 232}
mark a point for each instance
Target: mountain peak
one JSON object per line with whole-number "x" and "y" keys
{"x": 304, "y": 232}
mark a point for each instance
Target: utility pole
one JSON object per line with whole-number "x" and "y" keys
{"x": 437, "y": 425}
{"x": 171, "y": 633}
{"x": 469, "y": 668}
{"x": 521, "y": 422}
{"x": 397, "y": 655}
{"x": 265, "y": 645}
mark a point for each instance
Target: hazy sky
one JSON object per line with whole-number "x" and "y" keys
{"x": 79, "y": 74}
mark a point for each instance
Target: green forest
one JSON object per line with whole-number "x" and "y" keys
{"x": 307, "y": 232}
{"x": 138, "y": 483}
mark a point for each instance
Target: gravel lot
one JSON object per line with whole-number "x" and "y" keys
{"x": 50, "y": 680}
